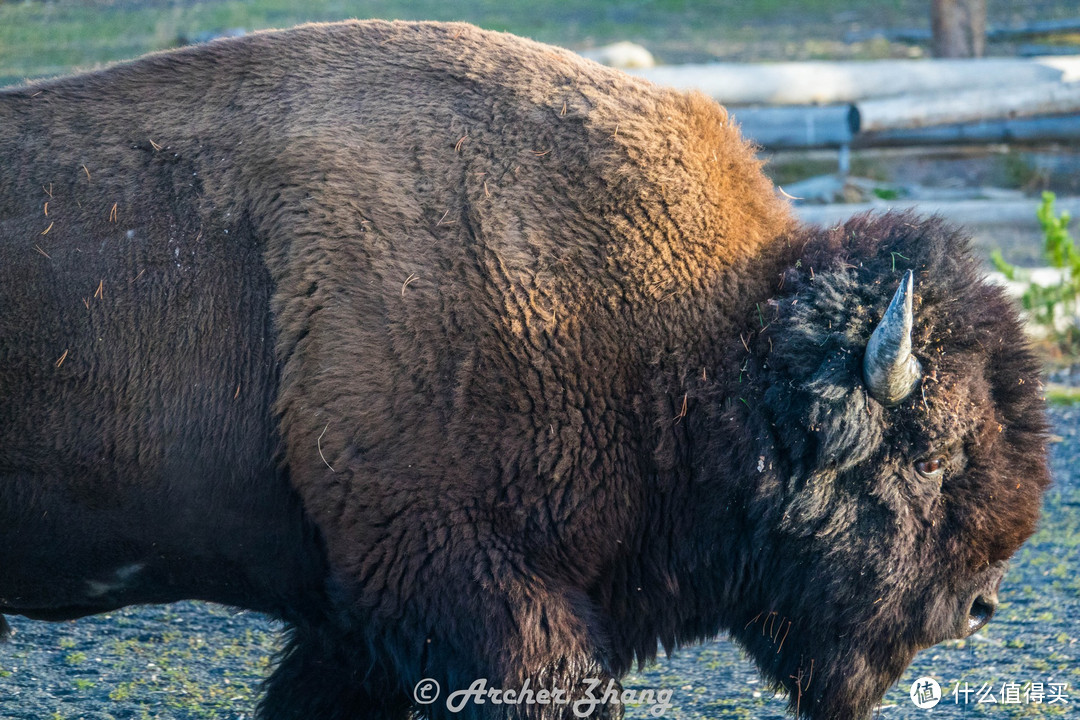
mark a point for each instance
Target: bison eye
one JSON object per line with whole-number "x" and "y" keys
{"x": 931, "y": 467}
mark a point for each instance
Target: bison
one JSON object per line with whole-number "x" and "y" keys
{"x": 474, "y": 361}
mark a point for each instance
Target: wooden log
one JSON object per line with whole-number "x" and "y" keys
{"x": 1059, "y": 129}
{"x": 974, "y": 105}
{"x": 833, "y": 126}
{"x": 1047, "y": 50}
{"x": 1034, "y": 29}
{"x": 971, "y": 213}
{"x": 806, "y": 126}
{"x": 993, "y": 33}
{"x": 824, "y": 83}
{"x": 913, "y": 36}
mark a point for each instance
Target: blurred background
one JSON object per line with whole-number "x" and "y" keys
{"x": 45, "y": 38}
{"x": 966, "y": 108}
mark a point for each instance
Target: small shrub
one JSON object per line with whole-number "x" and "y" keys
{"x": 1052, "y": 307}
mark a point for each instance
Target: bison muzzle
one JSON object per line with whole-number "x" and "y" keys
{"x": 473, "y": 360}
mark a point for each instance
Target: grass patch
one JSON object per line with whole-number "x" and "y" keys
{"x": 1052, "y": 309}
{"x": 1062, "y": 394}
{"x": 167, "y": 671}
{"x": 75, "y": 658}
{"x": 784, "y": 169}
{"x": 39, "y": 39}
{"x": 48, "y": 38}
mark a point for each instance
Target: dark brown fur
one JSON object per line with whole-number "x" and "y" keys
{"x": 472, "y": 359}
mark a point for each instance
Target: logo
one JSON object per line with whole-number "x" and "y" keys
{"x": 426, "y": 692}
{"x": 925, "y": 693}
{"x": 583, "y": 704}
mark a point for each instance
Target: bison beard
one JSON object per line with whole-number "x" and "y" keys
{"x": 471, "y": 359}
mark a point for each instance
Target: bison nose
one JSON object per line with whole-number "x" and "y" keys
{"x": 982, "y": 609}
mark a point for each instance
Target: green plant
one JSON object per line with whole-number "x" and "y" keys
{"x": 1060, "y": 248}
{"x": 1043, "y": 302}
{"x": 74, "y": 658}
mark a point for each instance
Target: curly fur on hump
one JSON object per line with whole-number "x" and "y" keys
{"x": 473, "y": 359}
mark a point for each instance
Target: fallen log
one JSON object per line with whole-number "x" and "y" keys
{"x": 993, "y": 33}
{"x": 971, "y": 213}
{"x": 824, "y": 83}
{"x": 973, "y": 105}
{"x": 805, "y": 126}
{"x": 1033, "y": 29}
{"x": 913, "y": 36}
{"x": 1034, "y": 130}
{"x": 834, "y": 126}
{"x": 1047, "y": 50}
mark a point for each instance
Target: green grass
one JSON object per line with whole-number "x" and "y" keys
{"x": 1062, "y": 394}
{"x": 39, "y": 38}
{"x": 166, "y": 671}
{"x": 75, "y": 658}
{"x": 48, "y": 38}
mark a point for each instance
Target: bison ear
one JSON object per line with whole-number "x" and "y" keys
{"x": 890, "y": 370}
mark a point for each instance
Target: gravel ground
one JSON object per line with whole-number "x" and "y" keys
{"x": 192, "y": 661}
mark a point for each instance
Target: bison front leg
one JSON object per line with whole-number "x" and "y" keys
{"x": 518, "y": 651}
{"x": 323, "y": 675}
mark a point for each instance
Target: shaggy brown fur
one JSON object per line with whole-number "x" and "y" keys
{"x": 472, "y": 359}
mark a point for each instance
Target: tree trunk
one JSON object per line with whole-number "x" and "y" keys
{"x": 959, "y": 27}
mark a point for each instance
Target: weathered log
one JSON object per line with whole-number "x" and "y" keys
{"x": 914, "y": 36}
{"x": 973, "y": 213}
{"x": 1047, "y": 50}
{"x": 819, "y": 83}
{"x": 805, "y": 126}
{"x": 833, "y": 126}
{"x": 973, "y": 105}
{"x": 993, "y": 33}
{"x": 1056, "y": 129}
{"x": 1034, "y": 29}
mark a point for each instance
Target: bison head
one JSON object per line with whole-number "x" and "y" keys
{"x": 903, "y": 459}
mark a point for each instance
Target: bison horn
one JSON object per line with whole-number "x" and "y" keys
{"x": 890, "y": 371}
